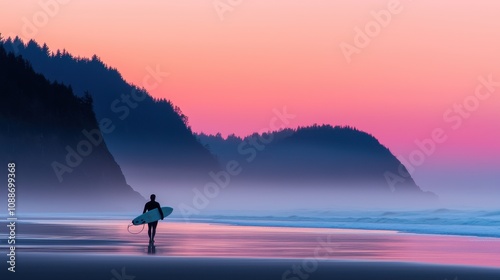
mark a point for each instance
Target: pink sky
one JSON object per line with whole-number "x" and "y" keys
{"x": 228, "y": 75}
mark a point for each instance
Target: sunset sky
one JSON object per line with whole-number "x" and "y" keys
{"x": 230, "y": 68}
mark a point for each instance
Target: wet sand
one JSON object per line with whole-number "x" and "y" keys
{"x": 68, "y": 249}
{"x": 127, "y": 267}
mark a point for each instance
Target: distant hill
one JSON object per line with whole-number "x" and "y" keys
{"x": 151, "y": 139}
{"x": 62, "y": 163}
{"x": 342, "y": 158}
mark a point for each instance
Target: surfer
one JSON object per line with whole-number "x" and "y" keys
{"x": 151, "y": 205}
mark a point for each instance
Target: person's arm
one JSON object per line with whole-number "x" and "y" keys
{"x": 145, "y": 208}
{"x": 161, "y": 211}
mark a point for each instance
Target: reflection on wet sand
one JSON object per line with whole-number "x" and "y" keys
{"x": 151, "y": 249}
{"x": 218, "y": 240}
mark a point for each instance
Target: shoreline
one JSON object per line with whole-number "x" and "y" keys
{"x": 242, "y": 224}
{"x": 481, "y": 223}
{"x": 348, "y": 228}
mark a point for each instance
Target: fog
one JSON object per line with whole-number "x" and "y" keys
{"x": 237, "y": 197}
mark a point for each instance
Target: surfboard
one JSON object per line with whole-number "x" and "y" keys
{"x": 152, "y": 216}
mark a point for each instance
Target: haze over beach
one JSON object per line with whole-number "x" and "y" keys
{"x": 322, "y": 139}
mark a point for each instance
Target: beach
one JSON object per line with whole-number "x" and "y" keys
{"x": 96, "y": 266}
{"x": 104, "y": 249}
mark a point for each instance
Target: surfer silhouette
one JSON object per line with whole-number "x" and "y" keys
{"x": 151, "y": 205}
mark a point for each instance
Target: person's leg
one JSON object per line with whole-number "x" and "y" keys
{"x": 149, "y": 231}
{"x": 154, "y": 230}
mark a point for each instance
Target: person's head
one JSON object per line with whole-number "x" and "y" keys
{"x": 153, "y": 197}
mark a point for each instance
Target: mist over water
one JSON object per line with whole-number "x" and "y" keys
{"x": 268, "y": 196}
